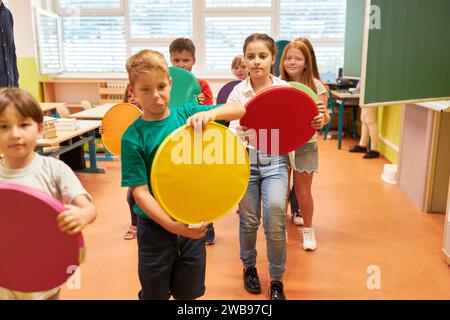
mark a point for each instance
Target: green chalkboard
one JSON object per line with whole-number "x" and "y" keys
{"x": 354, "y": 32}
{"x": 408, "y": 56}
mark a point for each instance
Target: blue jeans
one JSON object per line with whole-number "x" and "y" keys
{"x": 268, "y": 184}
{"x": 169, "y": 265}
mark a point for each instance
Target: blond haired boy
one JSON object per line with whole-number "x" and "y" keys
{"x": 172, "y": 257}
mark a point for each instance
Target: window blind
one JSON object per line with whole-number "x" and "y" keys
{"x": 162, "y": 49}
{"x": 156, "y": 19}
{"x": 323, "y": 22}
{"x": 312, "y": 18}
{"x": 49, "y": 45}
{"x": 97, "y": 38}
{"x": 94, "y": 44}
{"x": 225, "y": 38}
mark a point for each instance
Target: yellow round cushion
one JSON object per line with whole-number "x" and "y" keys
{"x": 200, "y": 176}
{"x": 115, "y": 122}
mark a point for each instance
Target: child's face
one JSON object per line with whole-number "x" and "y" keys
{"x": 152, "y": 92}
{"x": 182, "y": 59}
{"x": 18, "y": 135}
{"x": 294, "y": 63}
{"x": 258, "y": 59}
{"x": 131, "y": 99}
{"x": 240, "y": 71}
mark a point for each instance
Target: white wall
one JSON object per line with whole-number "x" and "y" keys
{"x": 24, "y": 26}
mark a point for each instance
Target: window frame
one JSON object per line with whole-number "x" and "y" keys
{"x": 204, "y": 12}
{"x": 111, "y": 12}
{"x": 38, "y": 12}
{"x": 199, "y": 14}
{"x": 150, "y": 42}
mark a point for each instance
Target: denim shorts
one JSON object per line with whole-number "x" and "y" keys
{"x": 307, "y": 158}
{"x": 169, "y": 265}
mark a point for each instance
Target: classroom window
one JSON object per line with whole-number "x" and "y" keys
{"x": 160, "y": 19}
{"x": 225, "y": 26}
{"x": 328, "y": 57}
{"x": 225, "y": 37}
{"x": 49, "y": 43}
{"x": 97, "y": 36}
{"x": 162, "y": 49}
{"x": 312, "y": 18}
{"x": 94, "y": 44}
{"x": 322, "y": 21}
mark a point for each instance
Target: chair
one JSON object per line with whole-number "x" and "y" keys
{"x": 332, "y": 106}
{"x": 222, "y": 97}
{"x": 185, "y": 87}
{"x": 281, "y": 44}
{"x": 62, "y": 111}
{"x": 225, "y": 91}
{"x": 85, "y": 105}
{"x": 352, "y": 104}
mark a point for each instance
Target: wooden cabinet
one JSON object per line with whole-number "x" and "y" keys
{"x": 73, "y": 91}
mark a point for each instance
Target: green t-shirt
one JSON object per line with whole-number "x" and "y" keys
{"x": 141, "y": 141}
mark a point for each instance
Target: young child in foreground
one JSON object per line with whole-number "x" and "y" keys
{"x": 172, "y": 256}
{"x": 21, "y": 124}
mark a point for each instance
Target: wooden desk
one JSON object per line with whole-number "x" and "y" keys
{"x": 96, "y": 113}
{"x": 86, "y": 127}
{"x": 344, "y": 97}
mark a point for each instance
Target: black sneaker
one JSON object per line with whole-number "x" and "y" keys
{"x": 251, "y": 280}
{"x": 359, "y": 149}
{"x": 210, "y": 235}
{"x": 276, "y": 291}
{"x": 297, "y": 218}
{"x": 371, "y": 154}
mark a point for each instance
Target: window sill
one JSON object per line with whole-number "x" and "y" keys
{"x": 124, "y": 76}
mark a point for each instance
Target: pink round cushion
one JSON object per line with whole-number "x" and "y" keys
{"x": 35, "y": 255}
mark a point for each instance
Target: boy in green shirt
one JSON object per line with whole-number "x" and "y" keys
{"x": 172, "y": 257}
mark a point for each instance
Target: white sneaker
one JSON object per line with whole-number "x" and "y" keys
{"x": 309, "y": 239}
{"x": 297, "y": 218}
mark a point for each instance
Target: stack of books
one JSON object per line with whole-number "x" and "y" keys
{"x": 50, "y": 128}
{"x": 66, "y": 124}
